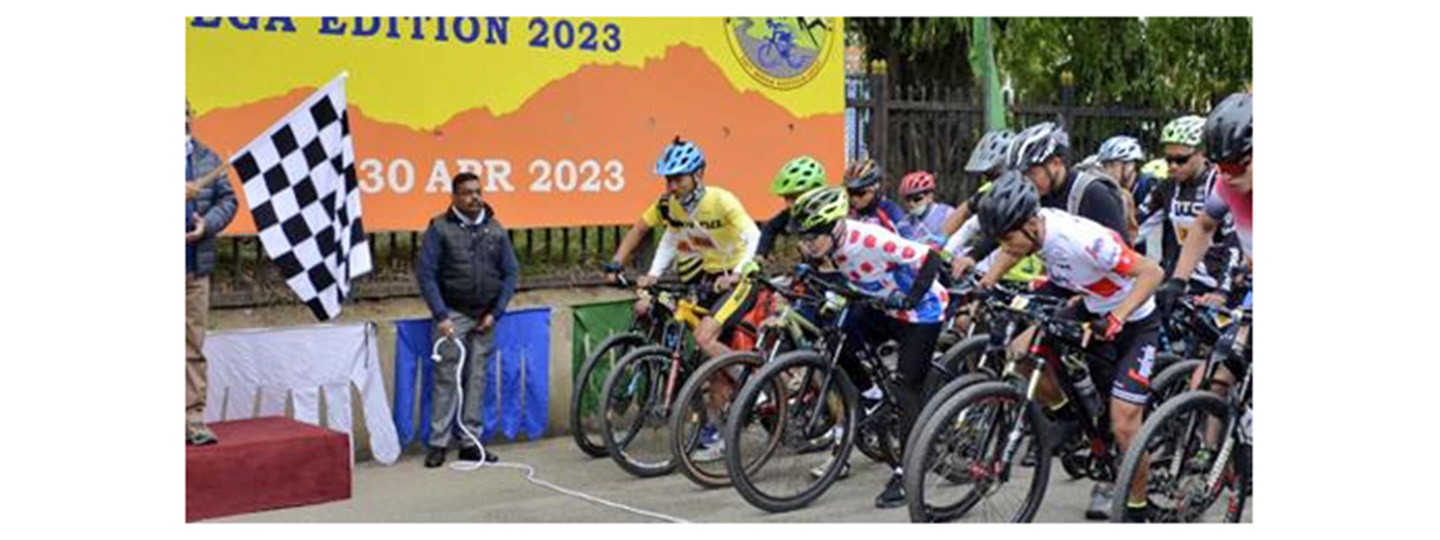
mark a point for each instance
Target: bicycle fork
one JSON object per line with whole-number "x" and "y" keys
{"x": 1017, "y": 431}
{"x": 670, "y": 381}
{"x": 1212, "y": 480}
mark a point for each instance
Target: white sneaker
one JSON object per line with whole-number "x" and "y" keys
{"x": 873, "y": 394}
{"x": 714, "y": 452}
{"x": 819, "y": 471}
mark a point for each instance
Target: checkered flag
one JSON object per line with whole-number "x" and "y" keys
{"x": 299, "y": 179}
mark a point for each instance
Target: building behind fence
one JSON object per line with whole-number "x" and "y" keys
{"x": 903, "y": 128}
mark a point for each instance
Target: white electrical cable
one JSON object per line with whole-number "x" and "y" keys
{"x": 530, "y": 471}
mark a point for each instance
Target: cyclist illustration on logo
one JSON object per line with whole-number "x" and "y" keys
{"x": 780, "y": 45}
{"x": 781, "y": 52}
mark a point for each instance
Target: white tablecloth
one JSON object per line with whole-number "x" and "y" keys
{"x": 301, "y": 362}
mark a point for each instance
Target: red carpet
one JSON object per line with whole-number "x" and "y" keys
{"x": 263, "y": 464}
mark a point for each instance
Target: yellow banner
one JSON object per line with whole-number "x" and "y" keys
{"x": 561, "y": 117}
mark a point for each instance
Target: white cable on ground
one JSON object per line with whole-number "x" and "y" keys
{"x": 530, "y": 471}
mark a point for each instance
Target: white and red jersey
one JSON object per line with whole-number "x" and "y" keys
{"x": 878, "y": 262}
{"x": 1088, "y": 258}
{"x": 1223, "y": 201}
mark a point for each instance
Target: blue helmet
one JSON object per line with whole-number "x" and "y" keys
{"x": 680, "y": 157}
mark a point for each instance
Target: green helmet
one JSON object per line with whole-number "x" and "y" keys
{"x": 800, "y": 175}
{"x": 1185, "y": 130}
{"x": 819, "y": 210}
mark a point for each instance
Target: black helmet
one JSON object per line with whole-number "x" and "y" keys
{"x": 1008, "y": 205}
{"x": 1227, "y": 130}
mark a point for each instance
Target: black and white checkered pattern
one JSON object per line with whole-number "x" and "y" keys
{"x": 299, "y": 179}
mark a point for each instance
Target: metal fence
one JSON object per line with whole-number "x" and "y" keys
{"x": 549, "y": 257}
{"x": 934, "y": 129}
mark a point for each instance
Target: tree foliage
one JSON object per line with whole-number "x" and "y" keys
{"x": 917, "y": 50}
{"x": 1170, "y": 63}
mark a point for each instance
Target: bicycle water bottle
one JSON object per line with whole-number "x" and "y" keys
{"x": 1089, "y": 399}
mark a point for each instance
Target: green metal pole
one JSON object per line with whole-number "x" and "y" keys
{"x": 982, "y": 62}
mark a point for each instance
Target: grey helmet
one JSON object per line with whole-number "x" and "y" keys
{"x": 991, "y": 152}
{"x": 1037, "y": 144}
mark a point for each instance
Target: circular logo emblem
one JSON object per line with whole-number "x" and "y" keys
{"x": 781, "y": 52}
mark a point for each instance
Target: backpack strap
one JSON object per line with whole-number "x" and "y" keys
{"x": 664, "y": 206}
{"x": 1089, "y": 174}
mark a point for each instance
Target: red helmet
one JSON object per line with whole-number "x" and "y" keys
{"x": 917, "y": 182}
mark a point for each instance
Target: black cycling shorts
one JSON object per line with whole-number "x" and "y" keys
{"x": 1132, "y": 356}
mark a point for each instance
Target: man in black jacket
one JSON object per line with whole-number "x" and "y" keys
{"x": 209, "y": 207}
{"x": 467, "y": 274}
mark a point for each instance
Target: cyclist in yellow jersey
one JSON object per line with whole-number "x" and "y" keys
{"x": 703, "y": 221}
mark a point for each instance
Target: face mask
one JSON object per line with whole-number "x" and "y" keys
{"x": 689, "y": 202}
{"x": 919, "y": 210}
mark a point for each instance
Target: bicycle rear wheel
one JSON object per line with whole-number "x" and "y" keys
{"x": 799, "y": 396}
{"x": 1185, "y": 473}
{"x": 585, "y": 398}
{"x": 1173, "y": 379}
{"x": 635, "y": 422}
{"x": 977, "y": 436}
{"x": 705, "y": 403}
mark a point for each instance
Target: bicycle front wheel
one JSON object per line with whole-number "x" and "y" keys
{"x": 812, "y": 408}
{"x": 965, "y": 463}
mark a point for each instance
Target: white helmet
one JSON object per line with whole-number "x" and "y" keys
{"x": 990, "y": 152}
{"x": 1120, "y": 148}
{"x": 1037, "y": 144}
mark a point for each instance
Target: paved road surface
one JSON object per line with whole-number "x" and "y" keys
{"x": 407, "y": 492}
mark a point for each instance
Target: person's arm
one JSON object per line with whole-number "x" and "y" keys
{"x": 957, "y": 219}
{"x": 1147, "y": 277}
{"x": 1132, "y": 225}
{"x": 926, "y": 263}
{"x": 664, "y": 253}
{"x": 632, "y": 240}
{"x": 427, "y": 273}
{"x": 1004, "y": 261}
{"x": 1100, "y": 205}
{"x": 982, "y": 247}
{"x": 222, "y": 207}
{"x": 771, "y": 231}
{"x": 959, "y": 242}
{"x": 929, "y": 270}
{"x": 749, "y": 233}
{"x": 510, "y": 266}
{"x": 751, "y": 237}
{"x": 1197, "y": 242}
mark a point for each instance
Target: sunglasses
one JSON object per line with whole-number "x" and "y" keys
{"x": 1234, "y": 169}
{"x": 917, "y": 197}
{"x": 858, "y": 192}
{"x": 811, "y": 237}
{"x": 1179, "y": 160}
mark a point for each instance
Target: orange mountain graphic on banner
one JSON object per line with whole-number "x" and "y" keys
{"x": 580, "y": 151}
